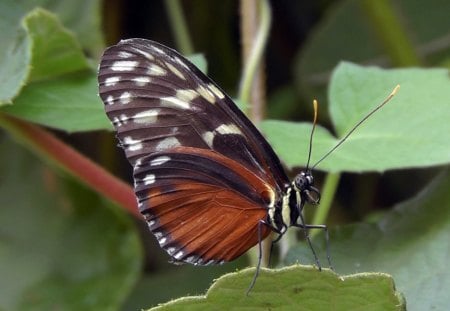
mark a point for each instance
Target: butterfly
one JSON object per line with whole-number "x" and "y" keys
{"x": 207, "y": 182}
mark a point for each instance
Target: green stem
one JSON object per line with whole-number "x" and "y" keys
{"x": 179, "y": 27}
{"x": 328, "y": 191}
{"x": 57, "y": 153}
{"x": 390, "y": 31}
{"x": 260, "y": 33}
{"x": 256, "y": 53}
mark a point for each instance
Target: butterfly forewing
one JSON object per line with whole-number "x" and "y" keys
{"x": 204, "y": 176}
{"x": 158, "y": 100}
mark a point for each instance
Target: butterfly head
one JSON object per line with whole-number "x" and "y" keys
{"x": 304, "y": 184}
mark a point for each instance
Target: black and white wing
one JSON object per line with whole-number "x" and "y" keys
{"x": 158, "y": 100}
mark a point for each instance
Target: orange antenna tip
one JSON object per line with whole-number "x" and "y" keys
{"x": 316, "y": 108}
{"x": 395, "y": 90}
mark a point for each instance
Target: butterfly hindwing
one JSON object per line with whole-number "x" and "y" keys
{"x": 193, "y": 202}
{"x": 158, "y": 100}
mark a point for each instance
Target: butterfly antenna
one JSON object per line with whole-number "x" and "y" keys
{"x": 315, "y": 104}
{"x": 357, "y": 125}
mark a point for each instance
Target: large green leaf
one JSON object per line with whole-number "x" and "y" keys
{"x": 295, "y": 288}
{"x": 410, "y": 131}
{"x": 69, "y": 103}
{"x": 174, "y": 281}
{"x": 61, "y": 90}
{"x": 411, "y": 243}
{"x": 35, "y": 40}
{"x": 62, "y": 247}
{"x": 347, "y": 33}
{"x": 55, "y": 50}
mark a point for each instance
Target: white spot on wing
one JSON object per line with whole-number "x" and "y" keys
{"x": 224, "y": 129}
{"x": 141, "y": 81}
{"x": 158, "y": 50}
{"x": 124, "y": 54}
{"x": 146, "y": 116}
{"x": 120, "y": 120}
{"x": 135, "y": 147}
{"x": 155, "y": 70}
{"x": 191, "y": 259}
{"x": 228, "y": 129}
{"x": 124, "y": 65}
{"x": 143, "y": 53}
{"x": 167, "y": 143}
{"x": 149, "y": 179}
{"x": 109, "y": 100}
{"x": 132, "y": 144}
{"x": 208, "y": 137}
{"x": 125, "y": 98}
{"x": 171, "y": 250}
{"x": 159, "y": 160}
{"x": 199, "y": 261}
{"x": 162, "y": 240}
{"x": 206, "y": 94}
{"x": 216, "y": 91}
{"x": 179, "y": 255}
{"x": 174, "y": 102}
{"x": 175, "y": 71}
{"x": 116, "y": 121}
{"x": 111, "y": 81}
{"x": 181, "y": 62}
{"x": 186, "y": 95}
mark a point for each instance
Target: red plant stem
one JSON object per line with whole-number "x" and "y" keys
{"x": 51, "y": 148}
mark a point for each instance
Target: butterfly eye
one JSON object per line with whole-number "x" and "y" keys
{"x": 303, "y": 181}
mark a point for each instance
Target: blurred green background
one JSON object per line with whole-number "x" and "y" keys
{"x": 63, "y": 246}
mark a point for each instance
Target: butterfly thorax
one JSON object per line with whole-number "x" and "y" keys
{"x": 287, "y": 210}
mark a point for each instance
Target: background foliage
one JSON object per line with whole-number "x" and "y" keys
{"x": 64, "y": 245}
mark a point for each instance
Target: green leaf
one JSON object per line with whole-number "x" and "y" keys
{"x": 69, "y": 103}
{"x": 410, "y": 131}
{"x": 295, "y": 288}
{"x": 62, "y": 247}
{"x": 15, "y": 53}
{"x": 34, "y": 40}
{"x": 62, "y": 89}
{"x": 55, "y": 50}
{"x": 82, "y": 17}
{"x": 45, "y": 75}
{"x": 331, "y": 43}
{"x": 411, "y": 243}
{"x": 174, "y": 281}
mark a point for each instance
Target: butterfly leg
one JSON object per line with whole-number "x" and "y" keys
{"x": 280, "y": 235}
{"x": 305, "y": 228}
{"x": 258, "y": 266}
{"x": 327, "y": 240}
